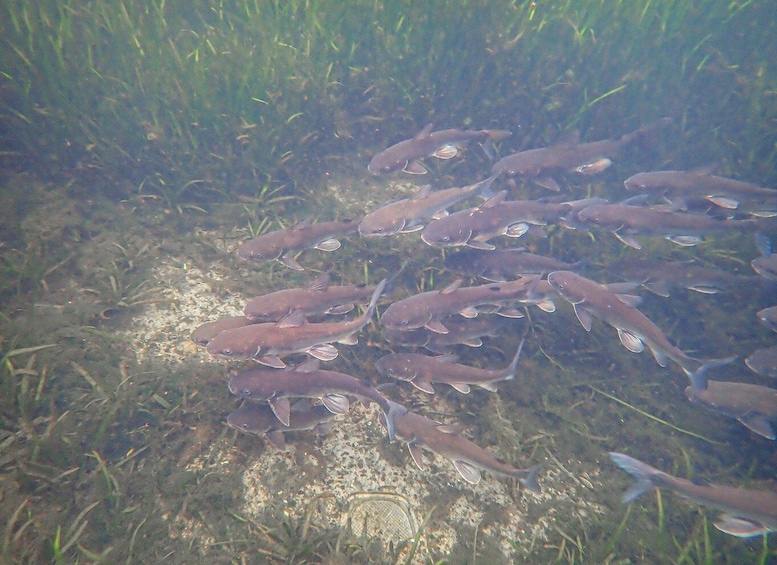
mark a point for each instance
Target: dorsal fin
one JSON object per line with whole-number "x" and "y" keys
{"x": 451, "y": 287}
{"x": 293, "y": 319}
{"x": 320, "y": 284}
{"x": 424, "y": 133}
{"x": 423, "y": 192}
{"x": 303, "y": 223}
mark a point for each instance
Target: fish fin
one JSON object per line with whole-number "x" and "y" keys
{"x": 416, "y": 455}
{"x": 512, "y": 313}
{"x": 546, "y": 305}
{"x": 475, "y": 243}
{"x": 488, "y": 149}
{"x": 336, "y": 403}
{"x": 330, "y": 244}
{"x": 469, "y": 312}
{"x": 660, "y": 288}
{"x": 468, "y": 471}
{"x": 593, "y": 167}
{"x": 763, "y": 243}
{"x": 463, "y": 388}
{"x": 411, "y": 229}
{"x": 436, "y": 326}
{"x": 422, "y": 192}
{"x": 699, "y": 376}
{"x": 276, "y": 439}
{"x": 293, "y": 319}
{"x": 394, "y": 411}
{"x": 491, "y": 387}
{"x": 352, "y": 339}
{"x": 621, "y": 287}
{"x": 340, "y": 309}
{"x": 628, "y": 240}
{"x": 323, "y": 351}
{"x": 290, "y": 262}
{"x": 494, "y": 200}
{"x": 548, "y": 182}
{"x": 630, "y": 341}
{"x": 451, "y": 287}
{"x": 630, "y": 299}
{"x": 425, "y": 132}
{"x": 528, "y": 478}
{"x": 440, "y": 214}
{"x": 740, "y": 527}
{"x": 472, "y": 342}
{"x": 447, "y": 358}
{"x": 282, "y": 409}
{"x": 685, "y": 240}
{"x": 637, "y": 469}
{"x": 583, "y": 316}
{"x": 451, "y": 429}
{"x": 703, "y": 289}
{"x": 517, "y": 229}
{"x": 309, "y": 366}
{"x": 323, "y": 428}
{"x": 446, "y": 152}
{"x": 423, "y": 385}
{"x": 415, "y": 168}
{"x": 271, "y": 361}
{"x": 723, "y": 202}
{"x": 512, "y": 369}
{"x": 305, "y": 222}
{"x": 320, "y": 284}
{"x": 757, "y": 423}
{"x": 660, "y": 357}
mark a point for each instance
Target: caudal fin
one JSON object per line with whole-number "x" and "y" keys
{"x": 528, "y": 478}
{"x": 390, "y": 413}
{"x": 699, "y": 376}
{"x": 643, "y": 472}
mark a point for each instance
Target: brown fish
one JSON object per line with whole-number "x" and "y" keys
{"x": 207, "y": 331}
{"x": 257, "y": 419}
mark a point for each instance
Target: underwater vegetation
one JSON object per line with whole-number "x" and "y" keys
{"x": 132, "y": 132}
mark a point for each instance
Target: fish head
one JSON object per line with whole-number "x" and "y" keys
{"x": 378, "y": 226}
{"x": 256, "y": 250}
{"x": 404, "y": 316}
{"x": 563, "y": 282}
{"x": 252, "y": 419}
{"x": 441, "y": 234}
{"x": 637, "y": 182}
{"x": 259, "y": 310}
{"x": 384, "y": 163}
{"x": 232, "y": 344}
{"x": 395, "y": 366}
{"x": 246, "y": 385}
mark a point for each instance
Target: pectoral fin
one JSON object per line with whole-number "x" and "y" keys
{"x": 463, "y": 388}
{"x": 276, "y": 439}
{"x": 415, "y": 168}
{"x": 423, "y": 385}
{"x": 446, "y": 152}
{"x": 548, "y": 182}
{"x": 282, "y": 409}
{"x": 327, "y": 245}
{"x": 758, "y": 424}
{"x": 336, "y": 403}
{"x": 290, "y": 262}
{"x": 740, "y": 527}
{"x": 583, "y": 316}
{"x": 630, "y": 341}
{"x": 436, "y": 326}
{"x": 323, "y": 351}
{"x": 415, "y": 453}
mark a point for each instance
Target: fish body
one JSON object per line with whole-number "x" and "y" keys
{"x": 308, "y": 381}
{"x": 428, "y": 308}
{"x": 587, "y": 158}
{"x": 729, "y": 194}
{"x": 747, "y": 512}
{"x": 625, "y": 221}
{"x": 292, "y": 334}
{"x": 257, "y": 419}
{"x": 443, "y": 144}
{"x": 503, "y": 264}
{"x": 768, "y": 316}
{"x": 473, "y": 228}
{"x": 279, "y": 245}
{"x": 468, "y": 458}
{"x": 460, "y": 332}
{"x": 409, "y": 214}
{"x": 658, "y": 276}
{"x": 763, "y": 361}
{"x": 315, "y": 299}
{"x": 207, "y": 331}
{"x": 611, "y": 304}
{"x": 422, "y": 371}
{"x": 754, "y": 406}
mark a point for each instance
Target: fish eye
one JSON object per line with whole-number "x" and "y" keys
{"x": 226, "y": 352}
{"x": 245, "y": 392}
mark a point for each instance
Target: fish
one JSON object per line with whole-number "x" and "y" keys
{"x": 257, "y": 419}
{"x": 625, "y": 221}
{"x": 503, "y": 264}
{"x": 766, "y": 264}
{"x": 422, "y": 371}
{"x": 474, "y": 228}
{"x": 768, "y": 316}
{"x": 614, "y": 305}
{"x": 658, "y": 276}
{"x": 207, "y": 331}
{"x": 586, "y": 158}
{"x": 292, "y": 334}
{"x": 443, "y": 144}
{"x": 409, "y": 214}
{"x": 751, "y": 405}
{"x": 763, "y": 361}
{"x": 468, "y": 458}
{"x": 747, "y": 513}
{"x": 725, "y": 193}
{"x": 464, "y": 332}
{"x": 316, "y": 298}
{"x": 308, "y": 380}
{"x": 427, "y": 309}
{"x": 279, "y": 245}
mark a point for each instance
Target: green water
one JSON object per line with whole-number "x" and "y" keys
{"x": 142, "y": 142}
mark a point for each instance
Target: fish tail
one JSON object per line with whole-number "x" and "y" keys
{"x": 528, "y": 478}
{"x": 512, "y": 370}
{"x": 699, "y": 376}
{"x": 392, "y": 411}
{"x": 645, "y": 474}
{"x": 375, "y": 297}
